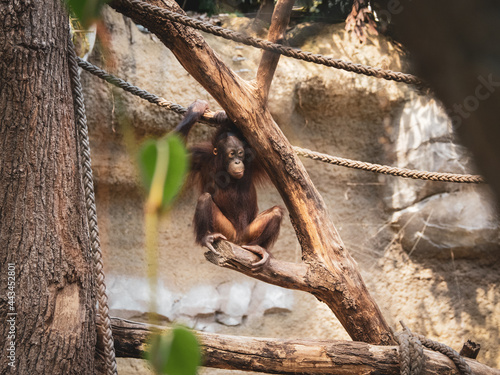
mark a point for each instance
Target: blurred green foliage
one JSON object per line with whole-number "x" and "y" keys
{"x": 87, "y": 11}
{"x": 174, "y": 353}
{"x": 163, "y": 165}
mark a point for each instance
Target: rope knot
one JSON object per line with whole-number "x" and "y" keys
{"x": 411, "y": 353}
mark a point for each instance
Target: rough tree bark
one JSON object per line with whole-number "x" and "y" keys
{"x": 43, "y": 230}
{"x": 322, "y": 247}
{"x": 323, "y": 250}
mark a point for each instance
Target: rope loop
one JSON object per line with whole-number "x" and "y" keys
{"x": 411, "y": 353}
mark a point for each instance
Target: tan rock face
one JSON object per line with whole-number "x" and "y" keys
{"x": 428, "y": 251}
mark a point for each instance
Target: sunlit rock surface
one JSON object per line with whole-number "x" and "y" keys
{"x": 203, "y": 306}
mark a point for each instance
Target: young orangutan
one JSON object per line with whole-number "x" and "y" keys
{"x": 227, "y": 172}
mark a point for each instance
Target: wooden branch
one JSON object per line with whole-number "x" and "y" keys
{"x": 470, "y": 349}
{"x": 322, "y": 248}
{"x": 284, "y": 274}
{"x": 289, "y": 356}
{"x": 269, "y": 61}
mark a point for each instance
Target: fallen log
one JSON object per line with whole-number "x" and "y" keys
{"x": 278, "y": 356}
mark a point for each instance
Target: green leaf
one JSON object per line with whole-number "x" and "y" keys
{"x": 178, "y": 165}
{"x": 86, "y": 11}
{"x": 147, "y": 162}
{"x": 158, "y": 351}
{"x": 176, "y": 353}
{"x": 163, "y": 164}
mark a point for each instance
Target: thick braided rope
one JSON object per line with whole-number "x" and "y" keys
{"x": 348, "y": 163}
{"x": 411, "y": 353}
{"x": 404, "y": 354}
{"x": 81, "y": 120}
{"x": 412, "y": 356}
{"x": 417, "y": 355}
{"x": 452, "y": 354}
{"x": 393, "y": 171}
{"x": 274, "y": 47}
{"x": 118, "y": 82}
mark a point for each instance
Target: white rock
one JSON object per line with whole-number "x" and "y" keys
{"x": 421, "y": 120}
{"x": 423, "y": 141}
{"x": 133, "y": 294}
{"x": 165, "y": 302}
{"x": 201, "y": 300}
{"x": 463, "y": 221}
{"x": 268, "y": 299}
{"x": 128, "y": 293}
{"x": 200, "y": 322}
{"x": 229, "y": 320}
{"x": 235, "y": 297}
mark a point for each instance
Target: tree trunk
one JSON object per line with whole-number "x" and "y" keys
{"x": 47, "y": 317}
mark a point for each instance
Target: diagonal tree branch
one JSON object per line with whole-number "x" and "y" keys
{"x": 269, "y": 61}
{"x": 322, "y": 248}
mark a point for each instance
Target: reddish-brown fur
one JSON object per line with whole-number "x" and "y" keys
{"x": 228, "y": 205}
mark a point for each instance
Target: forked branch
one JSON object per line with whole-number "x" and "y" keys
{"x": 322, "y": 248}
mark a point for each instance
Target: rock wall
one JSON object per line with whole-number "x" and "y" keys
{"x": 428, "y": 251}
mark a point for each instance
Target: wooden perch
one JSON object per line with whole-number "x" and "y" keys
{"x": 325, "y": 256}
{"x": 284, "y": 274}
{"x": 307, "y": 277}
{"x": 289, "y": 356}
